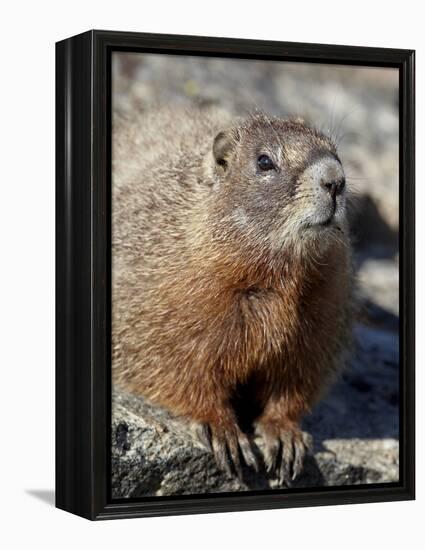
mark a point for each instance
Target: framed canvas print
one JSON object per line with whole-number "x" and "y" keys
{"x": 235, "y": 274}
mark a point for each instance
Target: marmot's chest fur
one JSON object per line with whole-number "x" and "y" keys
{"x": 231, "y": 267}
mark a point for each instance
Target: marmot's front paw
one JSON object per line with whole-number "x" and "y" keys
{"x": 229, "y": 444}
{"x": 284, "y": 449}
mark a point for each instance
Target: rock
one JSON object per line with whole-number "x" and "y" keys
{"x": 355, "y": 433}
{"x": 379, "y": 283}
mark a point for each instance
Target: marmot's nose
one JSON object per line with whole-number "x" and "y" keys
{"x": 325, "y": 175}
{"x": 333, "y": 187}
{"x": 329, "y": 176}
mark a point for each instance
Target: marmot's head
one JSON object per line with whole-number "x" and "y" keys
{"x": 278, "y": 182}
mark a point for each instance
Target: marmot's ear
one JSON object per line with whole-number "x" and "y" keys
{"x": 223, "y": 146}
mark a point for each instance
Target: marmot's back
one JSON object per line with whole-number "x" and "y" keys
{"x": 156, "y": 161}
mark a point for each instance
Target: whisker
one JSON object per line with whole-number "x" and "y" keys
{"x": 357, "y": 178}
{"x": 343, "y": 119}
{"x": 330, "y": 133}
{"x": 339, "y": 139}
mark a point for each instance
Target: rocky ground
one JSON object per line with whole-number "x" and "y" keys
{"x": 355, "y": 428}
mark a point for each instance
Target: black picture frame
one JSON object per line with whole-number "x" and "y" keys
{"x": 83, "y": 387}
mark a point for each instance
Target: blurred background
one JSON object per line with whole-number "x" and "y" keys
{"x": 355, "y": 427}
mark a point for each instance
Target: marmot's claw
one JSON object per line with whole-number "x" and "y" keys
{"x": 300, "y": 448}
{"x": 203, "y": 432}
{"x": 286, "y": 458}
{"x": 284, "y": 453}
{"x": 247, "y": 452}
{"x": 222, "y": 456}
{"x": 272, "y": 453}
{"x": 229, "y": 446}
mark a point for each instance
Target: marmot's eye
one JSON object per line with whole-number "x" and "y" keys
{"x": 265, "y": 163}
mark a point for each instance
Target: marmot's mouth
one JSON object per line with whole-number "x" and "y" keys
{"x": 323, "y": 223}
{"x": 327, "y": 222}
{"x": 331, "y": 217}
{"x": 331, "y": 222}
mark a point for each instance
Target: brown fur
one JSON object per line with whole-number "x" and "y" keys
{"x": 217, "y": 288}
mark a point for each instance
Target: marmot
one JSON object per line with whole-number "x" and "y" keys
{"x": 231, "y": 275}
